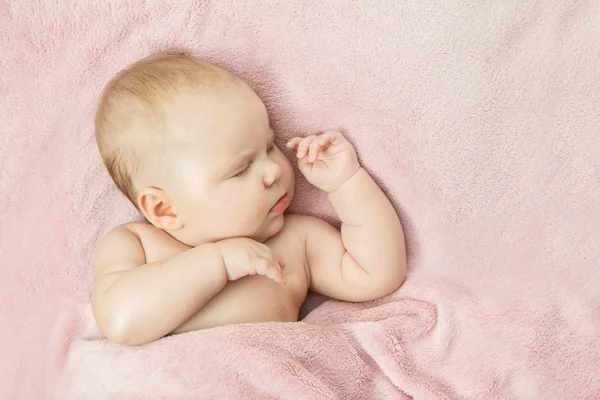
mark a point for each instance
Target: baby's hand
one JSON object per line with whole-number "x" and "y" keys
{"x": 243, "y": 257}
{"x": 327, "y": 160}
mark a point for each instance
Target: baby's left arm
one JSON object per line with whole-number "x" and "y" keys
{"x": 367, "y": 260}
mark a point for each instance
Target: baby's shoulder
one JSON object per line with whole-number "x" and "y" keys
{"x": 119, "y": 249}
{"x": 155, "y": 244}
{"x": 128, "y": 234}
{"x": 303, "y": 224}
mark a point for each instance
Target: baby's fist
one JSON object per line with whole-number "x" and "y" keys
{"x": 327, "y": 160}
{"x": 244, "y": 256}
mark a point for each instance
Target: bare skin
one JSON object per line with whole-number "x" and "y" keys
{"x": 219, "y": 249}
{"x": 252, "y": 299}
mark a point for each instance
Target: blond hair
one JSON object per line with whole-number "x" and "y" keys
{"x": 130, "y": 116}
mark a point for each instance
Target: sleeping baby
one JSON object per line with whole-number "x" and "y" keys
{"x": 190, "y": 145}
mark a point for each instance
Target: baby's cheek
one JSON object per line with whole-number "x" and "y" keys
{"x": 290, "y": 179}
{"x": 247, "y": 207}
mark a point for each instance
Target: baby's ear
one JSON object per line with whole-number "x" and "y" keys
{"x": 158, "y": 210}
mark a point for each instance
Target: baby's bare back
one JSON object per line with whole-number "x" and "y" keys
{"x": 250, "y": 299}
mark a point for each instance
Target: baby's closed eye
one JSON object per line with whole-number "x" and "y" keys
{"x": 241, "y": 171}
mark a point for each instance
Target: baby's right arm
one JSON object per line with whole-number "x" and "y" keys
{"x": 136, "y": 301}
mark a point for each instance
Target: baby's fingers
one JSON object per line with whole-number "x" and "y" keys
{"x": 293, "y": 143}
{"x": 304, "y": 145}
{"x": 316, "y": 147}
{"x": 333, "y": 137}
{"x": 265, "y": 252}
{"x": 274, "y": 273}
{"x": 270, "y": 269}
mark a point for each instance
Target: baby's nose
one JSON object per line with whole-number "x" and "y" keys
{"x": 272, "y": 173}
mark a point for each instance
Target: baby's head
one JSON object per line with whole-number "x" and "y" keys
{"x": 191, "y": 147}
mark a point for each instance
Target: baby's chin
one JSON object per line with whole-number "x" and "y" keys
{"x": 271, "y": 228}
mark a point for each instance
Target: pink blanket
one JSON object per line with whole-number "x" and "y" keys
{"x": 479, "y": 119}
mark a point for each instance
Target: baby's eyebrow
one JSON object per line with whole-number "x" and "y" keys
{"x": 244, "y": 158}
{"x": 241, "y": 160}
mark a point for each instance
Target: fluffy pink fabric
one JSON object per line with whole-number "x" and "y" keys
{"x": 480, "y": 119}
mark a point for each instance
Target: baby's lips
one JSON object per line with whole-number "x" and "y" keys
{"x": 281, "y": 264}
